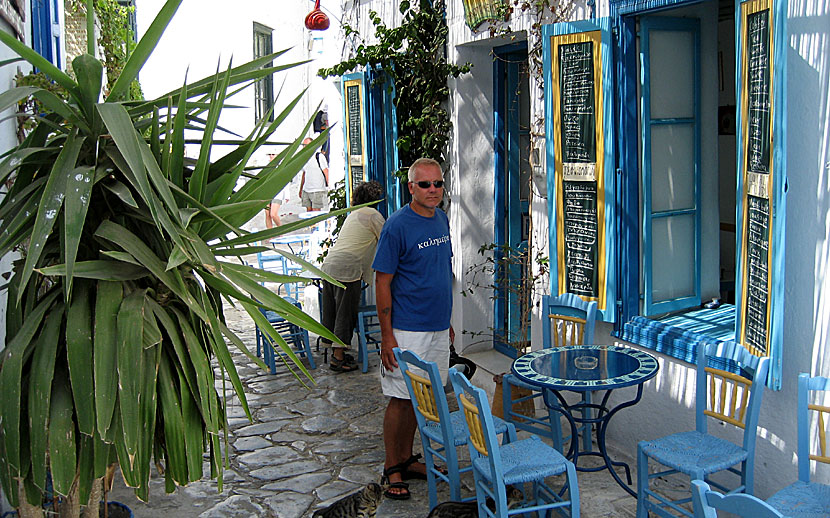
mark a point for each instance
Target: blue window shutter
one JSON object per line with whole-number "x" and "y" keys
{"x": 42, "y": 28}
{"x": 670, "y": 188}
{"x": 761, "y": 50}
{"x": 381, "y": 135}
{"x": 585, "y": 180}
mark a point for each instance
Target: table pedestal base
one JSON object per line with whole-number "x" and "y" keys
{"x": 586, "y": 417}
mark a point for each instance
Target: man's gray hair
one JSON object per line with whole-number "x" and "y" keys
{"x": 420, "y": 163}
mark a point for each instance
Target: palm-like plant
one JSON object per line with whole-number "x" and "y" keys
{"x": 115, "y": 308}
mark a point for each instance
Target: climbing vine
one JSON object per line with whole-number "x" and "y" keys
{"x": 413, "y": 56}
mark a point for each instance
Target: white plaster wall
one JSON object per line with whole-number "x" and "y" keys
{"x": 206, "y": 34}
{"x": 8, "y": 140}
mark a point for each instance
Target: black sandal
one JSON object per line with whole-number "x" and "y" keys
{"x": 345, "y": 365}
{"x": 384, "y": 481}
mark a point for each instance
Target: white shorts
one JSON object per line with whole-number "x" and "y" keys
{"x": 433, "y": 346}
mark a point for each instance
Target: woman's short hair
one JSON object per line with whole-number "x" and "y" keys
{"x": 420, "y": 163}
{"x": 367, "y": 192}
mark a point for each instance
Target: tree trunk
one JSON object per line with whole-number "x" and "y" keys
{"x": 26, "y": 510}
{"x": 70, "y": 506}
{"x": 95, "y": 494}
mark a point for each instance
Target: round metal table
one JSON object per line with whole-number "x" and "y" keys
{"x": 583, "y": 368}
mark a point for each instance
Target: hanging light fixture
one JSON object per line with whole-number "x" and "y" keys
{"x": 317, "y": 20}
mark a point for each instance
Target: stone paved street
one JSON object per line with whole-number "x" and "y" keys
{"x": 307, "y": 447}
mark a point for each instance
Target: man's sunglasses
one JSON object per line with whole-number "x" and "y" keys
{"x": 424, "y": 184}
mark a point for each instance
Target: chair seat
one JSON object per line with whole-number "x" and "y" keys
{"x": 459, "y": 428}
{"x": 693, "y": 452}
{"x": 516, "y": 382}
{"x": 802, "y": 500}
{"x": 523, "y": 461}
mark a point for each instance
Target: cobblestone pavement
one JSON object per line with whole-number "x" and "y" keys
{"x": 307, "y": 447}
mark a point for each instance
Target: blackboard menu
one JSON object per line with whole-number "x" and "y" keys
{"x": 354, "y": 114}
{"x": 757, "y": 88}
{"x": 576, "y": 78}
{"x": 757, "y": 273}
{"x": 579, "y": 183}
{"x": 581, "y": 244}
{"x": 756, "y": 177}
{"x": 357, "y": 175}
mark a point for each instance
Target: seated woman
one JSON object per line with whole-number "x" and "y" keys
{"x": 349, "y": 261}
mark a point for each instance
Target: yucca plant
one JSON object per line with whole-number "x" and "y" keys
{"x": 127, "y": 251}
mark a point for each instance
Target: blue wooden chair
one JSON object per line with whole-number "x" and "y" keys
{"x": 368, "y": 331}
{"x": 731, "y": 398}
{"x": 707, "y": 503}
{"x": 569, "y": 321}
{"x": 513, "y": 463}
{"x": 441, "y": 431}
{"x": 803, "y": 498}
{"x": 294, "y": 335}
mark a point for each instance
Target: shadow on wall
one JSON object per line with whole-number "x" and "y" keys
{"x": 808, "y": 203}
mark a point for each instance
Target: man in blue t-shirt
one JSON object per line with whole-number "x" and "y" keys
{"x": 413, "y": 285}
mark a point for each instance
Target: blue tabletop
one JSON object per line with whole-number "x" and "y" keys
{"x": 586, "y": 367}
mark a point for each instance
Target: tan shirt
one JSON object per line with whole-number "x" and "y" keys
{"x": 351, "y": 256}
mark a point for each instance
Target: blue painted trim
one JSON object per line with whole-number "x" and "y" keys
{"x": 628, "y": 179}
{"x": 500, "y": 196}
{"x": 647, "y": 24}
{"x": 623, "y": 7}
{"x": 548, "y": 31}
{"x": 42, "y": 29}
{"x": 393, "y": 185}
{"x": 779, "y": 190}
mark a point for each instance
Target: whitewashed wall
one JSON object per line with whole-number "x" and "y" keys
{"x": 8, "y": 139}
{"x": 206, "y": 34}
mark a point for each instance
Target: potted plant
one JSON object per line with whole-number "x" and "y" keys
{"x": 127, "y": 253}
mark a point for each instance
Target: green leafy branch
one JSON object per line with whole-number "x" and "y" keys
{"x": 413, "y": 56}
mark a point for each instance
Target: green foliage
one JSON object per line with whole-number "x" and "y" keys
{"x": 115, "y": 333}
{"x": 413, "y": 55}
{"x": 28, "y": 108}
{"x": 116, "y": 38}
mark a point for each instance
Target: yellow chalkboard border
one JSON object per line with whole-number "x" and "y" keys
{"x": 748, "y": 8}
{"x": 347, "y": 120}
{"x": 555, "y": 43}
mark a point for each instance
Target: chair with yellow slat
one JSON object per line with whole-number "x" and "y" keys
{"x": 803, "y": 498}
{"x": 442, "y": 431}
{"x": 514, "y": 463}
{"x": 730, "y": 398}
{"x": 570, "y": 321}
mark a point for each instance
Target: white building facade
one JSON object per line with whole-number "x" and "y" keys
{"x": 703, "y": 166}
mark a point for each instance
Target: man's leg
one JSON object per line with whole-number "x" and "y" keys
{"x": 274, "y": 211}
{"x": 399, "y": 427}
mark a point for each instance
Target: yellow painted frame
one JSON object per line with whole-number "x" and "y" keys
{"x": 748, "y": 8}
{"x": 354, "y": 160}
{"x": 556, "y": 42}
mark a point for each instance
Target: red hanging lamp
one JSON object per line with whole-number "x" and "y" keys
{"x": 317, "y": 20}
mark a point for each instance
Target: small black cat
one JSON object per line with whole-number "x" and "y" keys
{"x": 362, "y": 504}
{"x": 470, "y": 509}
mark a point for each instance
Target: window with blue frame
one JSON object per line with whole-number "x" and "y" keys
{"x": 47, "y": 32}
{"x": 263, "y": 88}
{"x": 698, "y": 248}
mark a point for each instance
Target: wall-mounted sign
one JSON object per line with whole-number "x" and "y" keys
{"x": 355, "y": 133}
{"x": 758, "y": 204}
{"x": 579, "y": 167}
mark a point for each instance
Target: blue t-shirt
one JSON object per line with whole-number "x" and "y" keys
{"x": 418, "y": 252}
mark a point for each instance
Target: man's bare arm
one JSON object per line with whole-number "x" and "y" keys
{"x": 383, "y": 298}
